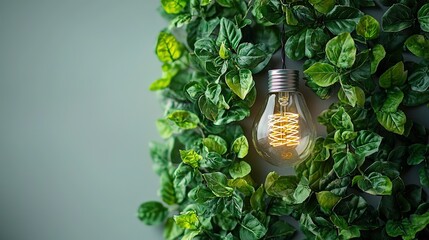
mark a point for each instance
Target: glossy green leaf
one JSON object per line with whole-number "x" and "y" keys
{"x": 418, "y": 45}
{"x": 249, "y": 56}
{"x": 345, "y": 163}
{"x": 423, "y": 17}
{"x": 257, "y": 199}
{"x": 366, "y": 143}
{"x": 240, "y": 82}
{"x": 173, "y": 6}
{"x": 323, "y": 6}
{"x": 240, "y": 146}
{"x": 394, "y": 76}
{"x": 397, "y": 18}
{"x": 280, "y": 230}
{"x": 341, "y": 120}
{"x": 327, "y": 200}
{"x": 375, "y": 184}
{"x": 152, "y": 213}
{"x": 315, "y": 40}
{"x": 392, "y": 121}
{"x": 187, "y": 220}
{"x": 164, "y": 127}
{"x": 424, "y": 176}
{"x": 191, "y": 157}
{"x": 351, "y": 95}
{"x": 206, "y": 50}
{"x": 184, "y": 119}
{"x": 251, "y": 228}
{"x": 229, "y": 34}
{"x": 419, "y": 79}
{"x": 167, "y": 190}
{"x": 216, "y": 144}
{"x": 341, "y": 51}
{"x": 218, "y": 184}
{"x": 171, "y": 230}
{"x": 168, "y": 49}
{"x": 295, "y": 45}
{"x": 323, "y": 74}
{"x": 342, "y": 19}
{"x": 239, "y": 169}
{"x": 377, "y": 54}
{"x": 393, "y": 100}
{"x": 368, "y": 27}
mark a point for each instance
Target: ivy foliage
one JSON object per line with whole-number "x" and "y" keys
{"x": 210, "y": 53}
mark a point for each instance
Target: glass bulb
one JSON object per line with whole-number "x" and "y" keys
{"x": 283, "y": 132}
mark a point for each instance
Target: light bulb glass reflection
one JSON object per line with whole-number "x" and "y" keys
{"x": 283, "y": 132}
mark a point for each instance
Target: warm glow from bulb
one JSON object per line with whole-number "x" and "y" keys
{"x": 283, "y": 129}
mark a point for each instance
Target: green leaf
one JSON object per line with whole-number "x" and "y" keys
{"x": 419, "y": 79}
{"x": 351, "y": 95}
{"x": 323, "y": 6}
{"x": 367, "y": 143}
{"x": 229, "y": 34}
{"x": 423, "y": 17}
{"x": 239, "y": 169}
{"x": 342, "y": 19}
{"x": 240, "y": 146}
{"x": 327, "y": 200}
{"x": 242, "y": 185}
{"x": 368, "y": 27}
{"x": 218, "y": 184}
{"x": 280, "y": 230}
{"x": 280, "y": 186}
{"x": 377, "y": 54}
{"x": 184, "y": 119}
{"x": 251, "y": 228}
{"x": 216, "y": 144}
{"x": 191, "y": 157}
{"x": 344, "y": 163}
{"x": 167, "y": 191}
{"x": 424, "y": 176}
{"x": 295, "y": 45}
{"x": 397, "y": 18}
{"x": 181, "y": 20}
{"x": 393, "y": 100}
{"x": 205, "y": 49}
{"x": 171, "y": 230}
{"x": 183, "y": 176}
{"x": 341, "y": 120}
{"x": 392, "y": 121}
{"x": 341, "y": 51}
{"x": 323, "y": 74}
{"x": 249, "y": 56}
{"x": 418, "y": 45}
{"x": 394, "y": 76}
{"x": 257, "y": 199}
{"x": 164, "y": 127}
{"x": 315, "y": 40}
{"x": 173, "y": 6}
{"x": 240, "y": 82}
{"x": 152, "y": 213}
{"x": 375, "y": 184}
{"x": 187, "y": 220}
{"x": 407, "y": 228}
{"x": 168, "y": 49}
{"x": 159, "y": 84}
{"x": 223, "y": 51}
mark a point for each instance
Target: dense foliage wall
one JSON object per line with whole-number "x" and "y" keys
{"x": 210, "y": 52}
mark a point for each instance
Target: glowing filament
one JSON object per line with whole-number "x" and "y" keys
{"x": 283, "y": 129}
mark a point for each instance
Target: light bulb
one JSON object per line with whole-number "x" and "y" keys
{"x": 283, "y": 132}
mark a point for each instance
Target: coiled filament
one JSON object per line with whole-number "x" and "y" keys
{"x": 283, "y": 129}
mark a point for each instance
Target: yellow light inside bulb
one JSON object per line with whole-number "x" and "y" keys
{"x": 283, "y": 129}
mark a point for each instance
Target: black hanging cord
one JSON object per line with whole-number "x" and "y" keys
{"x": 283, "y": 47}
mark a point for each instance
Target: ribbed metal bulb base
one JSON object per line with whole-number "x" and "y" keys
{"x": 283, "y": 80}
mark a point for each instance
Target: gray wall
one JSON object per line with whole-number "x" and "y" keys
{"x": 76, "y": 118}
